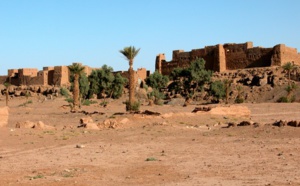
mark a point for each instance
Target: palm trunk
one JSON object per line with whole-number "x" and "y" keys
{"x": 227, "y": 93}
{"x": 6, "y": 94}
{"x": 289, "y": 76}
{"x": 76, "y": 93}
{"x": 131, "y": 87}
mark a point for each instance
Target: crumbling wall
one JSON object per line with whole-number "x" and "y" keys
{"x": 58, "y": 75}
{"x": 61, "y": 75}
{"x": 167, "y": 67}
{"x": 3, "y": 79}
{"x": 239, "y": 58}
{"x": 230, "y": 56}
{"x": 37, "y": 80}
{"x": 48, "y": 75}
{"x": 220, "y": 59}
{"x": 26, "y": 76}
{"x": 12, "y": 72}
{"x": 160, "y": 58}
{"x": 210, "y": 56}
{"x": 141, "y": 73}
{"x": 32, "y": 72}
{"x": 289, "y": 54}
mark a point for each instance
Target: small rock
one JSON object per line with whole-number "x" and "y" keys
{"x": 244, "y": 123}
{"x": 80, "y": 146}
{"x": 91, "y": 126}
{"x": 231, "y": 124}
{"x": 255, "y": 125}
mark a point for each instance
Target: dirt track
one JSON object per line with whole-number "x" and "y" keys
{"x": 177, "y": 150}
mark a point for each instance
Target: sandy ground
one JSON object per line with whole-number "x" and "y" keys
{"x": 178, "y": 149}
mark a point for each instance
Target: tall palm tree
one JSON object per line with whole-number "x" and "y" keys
{"x": 7, "y": 85}
{"x": 130, "y": 53}
{"x": 227, "y": 83}
{"x": 288, "y": 67}
{"x": 76, "y": 69}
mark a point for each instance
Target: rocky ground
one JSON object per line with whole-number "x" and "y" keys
{"x": 174, "y": 147}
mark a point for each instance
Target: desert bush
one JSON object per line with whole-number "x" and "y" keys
{"x": 118, "y": 86}
{"x": 69, "y": 100}
{"x": 64, "y": 92}
{"x": 151, "y": 159}
{"x": 103, "y": 103}
{"x": 26, "y": 103}
{"x": 217, "y": 89}
{"x": 290, "y": 97}
{"x": 189, "y": 81}
{"x": 104, "y": 82}
{"x": 157, "y": 80}
{"x": 134, "y": 107}
{"x": 156, "y": 96}
{"x": 87, "y": 102}
{"x": 239, "y": 100}
{"x": 283, "y": 99}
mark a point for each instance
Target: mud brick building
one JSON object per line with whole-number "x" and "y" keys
{"x": 220, "y": 58}
{"x": 139, "y": 75}
{"x": 57, "y": 76}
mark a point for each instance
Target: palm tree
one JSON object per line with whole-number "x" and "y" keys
{"x": 290, "y": 89}
{"x": 7, "y": 85}
{"x": 227, "y": 83}
{"x": 288, "y": 67}
{"x": 130, "y": 53}
{"x": 76, "y": 69}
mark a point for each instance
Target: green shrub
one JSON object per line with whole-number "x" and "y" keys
{"x": 283, "y": 99}
{"x": 103, "y": 103}
{"x": 239, "y": 100}
{"x": 64, "y": 92}
{"x": 87, "y": 102}
{"x": 217, "y": 89}
{"x": 69, "y": 100}
{"x": 157, "y": 96}
{"x": 25, "y": 104}
{"x": 151, "y": 159}
{"x": 134, "y": 107}
{"x": 293, "y": 99}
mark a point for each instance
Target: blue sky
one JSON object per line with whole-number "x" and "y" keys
{"x": 38, "y": 33}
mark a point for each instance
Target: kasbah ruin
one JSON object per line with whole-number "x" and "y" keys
{"x": 53, "y": 76}
{"x": 219, "y": 58}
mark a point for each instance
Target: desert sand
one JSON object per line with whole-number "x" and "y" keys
{"x": 175, "y": 148}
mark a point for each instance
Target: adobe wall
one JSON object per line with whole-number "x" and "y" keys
{"x": 141, "y": 73}
{"x": 12, "y": 72}
{"x": 230, "y": 56}
{"x": 167, "y": 67}
{"x": 58, "y": 75}
{"x": 211, "y": 54}
{"x": 61, "y": 75}
{"x": 220, "y": 59}
{"x": 3, "y": 79}
{"x": 289, "y": 54}
{"x": 38, "y": 80}
{"x": 239, "y": 58}
{"x": 160, "y": 58}
{"x": 88, "y": 70}
{"x": 32, "y": 72}
{"x": 25, "y": 76}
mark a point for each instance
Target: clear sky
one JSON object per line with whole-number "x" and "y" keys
{"x": 38, "y": 33}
